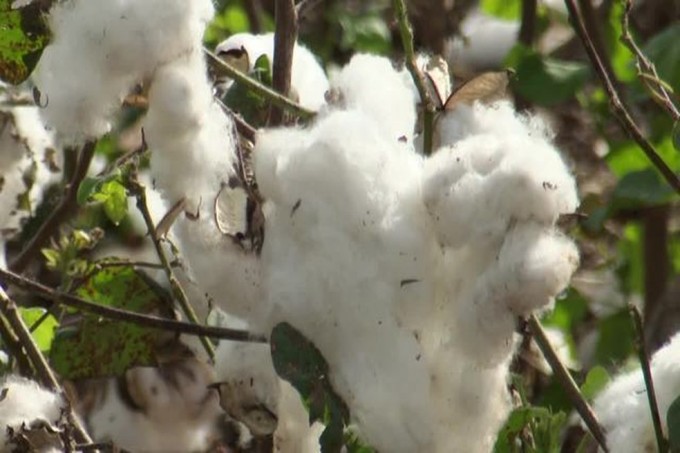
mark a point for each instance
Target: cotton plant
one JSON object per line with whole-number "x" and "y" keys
{"x": 407, "y": 272}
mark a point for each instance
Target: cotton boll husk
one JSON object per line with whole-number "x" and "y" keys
{"x": 323, "y": 265}
{"x": 193, "y": 156}
{"x": 623, "y": 407}
{"x": 179, "y": 417}
{"x": 371, "y": 84}
{"x": 308, "y": 79}
{"x": 24, "y": 403}
{"x": 496, "y": 167}
{"x": 112, "y": 45}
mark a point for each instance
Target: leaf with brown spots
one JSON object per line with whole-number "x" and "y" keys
{"x": 23, "y": 36}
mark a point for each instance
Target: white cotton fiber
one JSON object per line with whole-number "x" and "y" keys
{"x": 495, "y": 167}
{"x": 623, "y": 407}
{"x": 371, "y": 85}
{"x": 29, "y": 163}
{"x": 26, "y": 402}
{"x": 101, "y": 48}
{"x": 308, "y": 80}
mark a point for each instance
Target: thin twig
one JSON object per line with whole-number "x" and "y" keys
{"x": 646, "y": 69}
{"x": 242, "y": 126}
{"x": 620, "y": 111}
{"x": 255, "y": 86}
{"x": 527, "y": 29}
{"x": 139, "y": 192}
{"x": 428, "y": 104}
{"x": 43, "y": 370}
{"x": 284, "y": 45}
{"x": 564, "y": 378}
{"x": 11, "y": 342}
{"x": 128, "y": 316}
{"x": 647, "y": 374}
{"x": 61, "y": 213}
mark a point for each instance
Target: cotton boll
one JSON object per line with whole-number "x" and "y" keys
{"x": 371, "y": 84}
{"x": 497, "y": 167}
{"x": 308, "y": 80}
{"x": 24, "y": 403}
{"x": 623, "y": 407}
{"x": 112, "y": 45}
{"x": 177, "y": 413}
{"x": 322, "y": 265}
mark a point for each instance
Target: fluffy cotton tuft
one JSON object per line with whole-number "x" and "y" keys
{"x": 25, "y": 403}
{"x": 101, "y": 48}
{"x": 308, "y": 80}
{"x": 370, "y": 84}
{"x": 623, "y": 407}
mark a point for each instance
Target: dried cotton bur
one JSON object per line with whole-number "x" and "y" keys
{"x": 406, "y": 272}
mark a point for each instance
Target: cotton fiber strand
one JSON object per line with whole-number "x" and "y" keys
{"x": 308, "y": 80}
{"x": 101, "y": 48}
{"x": 26, "y": 402}
{"x": 623, "y": 407}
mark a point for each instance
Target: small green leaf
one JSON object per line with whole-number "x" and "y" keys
{"x": 95, "y": 347}
{"x": 543, "y": 80}
{"x": 252, "y": 106}
{"x": 86, "y": 189}
{"x": 596, "y": 380}
{"x": 664, "y": 52}
{"x": 641, "y": 189}
{"x": 673, "y": 423}
{"x": 24, "y": 34}
{"x": 113, "y": 195}
{"x": 44, "y": 332}
{"x": 298, "y": 361}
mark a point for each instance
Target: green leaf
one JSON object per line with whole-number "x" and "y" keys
{"x": 627, "y": 156}
{"x": 615, "y": 342}
{"x": 298, "y": 361}
{"x": 545, "y": 81}
{"x": 664, "y": 52}
{"x": 503, "y": 9}
{"x": 43, "y": 334}
{"x": 113, "y": 195}
{"x": 95, "y": 347}
{"x": 365, "y": 33}
{"x": 87, "y": 188}
{"x": 641, "y": 189}
{"x": 673, "y": 423}
{"x": 252, "y": 106}
{"x": 24, "y": 34}
{"x": 622, "y": 60}
{"x": 596, "y": 380}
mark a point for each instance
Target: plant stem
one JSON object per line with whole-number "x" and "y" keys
{"x": 284, "y": 46}
{"x": 619, "y": 108}
{"x": 429, "y": 108}
{"x": 255, "y": 86}
{"x": 564, "y": 378}
{"x": 128, "y": 316}
{"x": 647, "y": 374}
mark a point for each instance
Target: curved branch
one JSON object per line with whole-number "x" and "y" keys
{"x": 128, "y": 316}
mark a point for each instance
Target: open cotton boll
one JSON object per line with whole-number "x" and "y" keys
{"x": 25, "y": 403}
{"x": 371, "y": 84}
{"x": 496, "y": 167}
{"x": 308, "y": 79}
{"x": 111, "y": 44}
{"x": 322, "y": 265}
{"x": 623, "y": 407}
